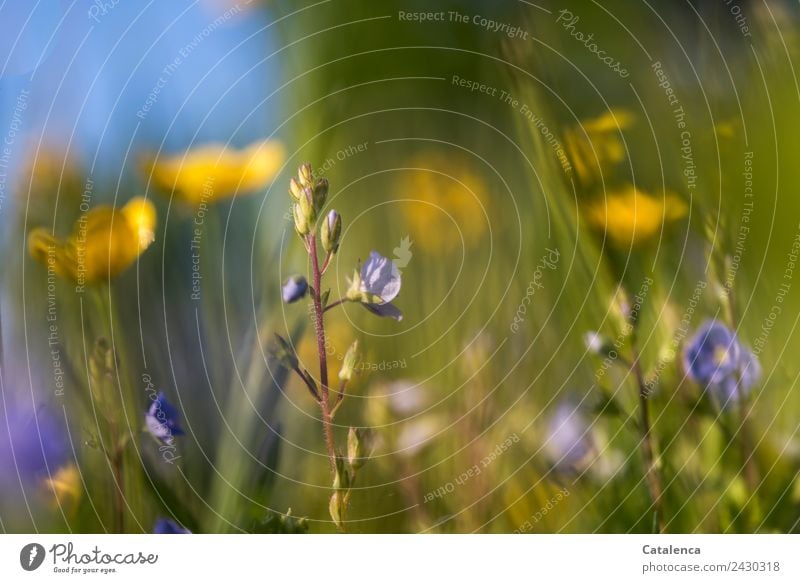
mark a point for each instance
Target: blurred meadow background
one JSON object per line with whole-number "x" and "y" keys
{"x": 593, "y": 208}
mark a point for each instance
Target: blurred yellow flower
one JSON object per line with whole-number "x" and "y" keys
{"x": 49, "y": 175}
{"x": 596, "y": 144}
{"x": 725, "y": 129}
{"x": 103, "y": 243}
{"x": 613, "y": 121}
{"x": 629, "y": 216}
{"x": 65, "y": 485}
{"x": 216, "y": 171}
{"x": 48, "y": 170}
{"x": 452, "y": 198}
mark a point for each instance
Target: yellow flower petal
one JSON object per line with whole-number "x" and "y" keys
{"x": 630, "y": 216}
{"x": 216, "y": 171}
{"x": 596, "y": 144}
{"x": 614, "y": 120}
{"x": 102, "y": 245}
{"x": 65, "y": 485}
{"x": 141, "y": 216}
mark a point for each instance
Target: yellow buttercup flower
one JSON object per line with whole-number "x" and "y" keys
{"x": 65, "y": 485}
{"x": 596, "y": 144}
{"x": 630, "y": 216}
{"x": 216, "y": 171}
{"x": 452, "y": 198}
{"x": 104, "y": 242}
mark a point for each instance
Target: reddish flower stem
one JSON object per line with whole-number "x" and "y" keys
{"x": 319, "y": 327}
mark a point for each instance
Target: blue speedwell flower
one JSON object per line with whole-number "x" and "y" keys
{"x": 570, "y": 444}
{"x": 715, "y": 359}
{"x": 167, "y": 526}
{"x": 294, "y": 289}
{"x": 376, "y": 286}
{"x": 33, "y": 444}
{"x": 161, "y": 420}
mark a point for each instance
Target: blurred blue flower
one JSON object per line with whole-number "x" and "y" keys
{"x": 168, "y": 526}
{"x": 715, "y": 359}
{"x": 161, "y": 420}
{"x": 570, "y": 444}
{"x": 33, "y": 444}
{"x": 294, "y": 289}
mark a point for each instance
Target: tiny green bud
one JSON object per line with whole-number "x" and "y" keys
{"x": 354, "y": 292}
{"x": 300, "y": 221}
{"x": 341, "y": 480}
{"x": 360, "y": 442}
{"x": 305, "y": 175}
{"x": 349, "y": 363}
{"x": 306, "y": 201}
{"x": 336, "y": 508}
{"x": 320, "y": 193}
{"x": 306, "y": 204}
{"x": 295, "y": 189}
{"x": 330, "y": 232}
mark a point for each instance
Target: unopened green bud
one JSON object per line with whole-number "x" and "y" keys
{"x": 295, "y": 189}
{"x": 320, "y": 193}
{"x": 306, "y": 204}
{"x": 354, "y": 292}
{"x": 360, "y": 442}
{"x": 305, "y": 175}
{"x": 336, "y": 508}
{"x": 341, "y": 481}
{"x": 300, "y": 221}
{"x": 349, "y": 363}
{"x": 330, "y": 231}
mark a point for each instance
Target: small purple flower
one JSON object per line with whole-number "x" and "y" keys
{"x": 380, "y": 277}
{"x": 294, "y": 289}
{"x": 387, "y": 310}
{"x": 161, "y": 420}
{"x": 168, "y": 526}
{"x": 570, "y": 444}
{"x": 715, "y": 359}
{"x": 376, "y": 286}
{"x": 331, "y": 232}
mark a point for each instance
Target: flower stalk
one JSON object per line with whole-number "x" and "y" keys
{"x": 375, "y": 286}
{"x": 652, "y": 471}
{"x": 319, "y": 328}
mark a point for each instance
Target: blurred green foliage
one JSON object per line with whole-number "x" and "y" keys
{"x": 468, "y": 190}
